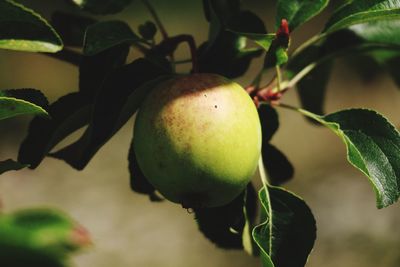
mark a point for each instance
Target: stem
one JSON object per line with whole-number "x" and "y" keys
{"x": 263, "y": 173}
{"x": 265, "y": 183}
{"x": 257, "y": 80}
{"x": 279, "y": 77}
{"x": 193, "y": 51}
{"x": 289, "y": 107}
{"x": 309, "y": 42}
{"x": 301, "y": 75}
{"x": 156, "y": 18}
{"x": 68, "y": 56}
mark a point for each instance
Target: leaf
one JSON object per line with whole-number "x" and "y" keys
{"x": 72, "y": 111}
{"x": 249, "y": 25}
{"x": 10, "y": 165}
{"x": 362, "y": 11}
{"x": 138, "y": 181}
{"x": 102, "y": 7}
{"x": 373, "y": 147}
{"x": 106, "y": 34}
{"x": 93, "y": 70}
{"x": 223, "y": 225}
{"x": 71, "y": 27}
{"x": 269, "y": 121}
{"x": 250, "y": 215}
{"x": 15, "y": 102}
{"x": 317, "y": 57}
{"x": 287, "y": 234}
{"x": 218, "y": 13}
{"x": 24, "y": 30}
{"x": 148, "y": 30}
{"x": 312, "y": 87}
{"x": 68, "y": 114}
{"x": 276, "y": 56}
{"x": 297, "y": 12}
{"x": 225, "y": 52}
{"x": 112, "y": 109}
{"x": 278, "y": 167}
{"x": 226, "y": 56}
{"x": 39, "y": 237}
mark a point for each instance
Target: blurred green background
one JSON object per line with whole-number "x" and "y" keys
{"x": 129, "y": 230}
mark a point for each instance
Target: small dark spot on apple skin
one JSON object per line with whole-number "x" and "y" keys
{"x": 215, "y": 106}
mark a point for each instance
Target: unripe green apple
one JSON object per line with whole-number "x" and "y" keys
{"x": 197, "y": 139}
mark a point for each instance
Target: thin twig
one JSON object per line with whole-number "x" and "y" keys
{"x": 278, "y": 77}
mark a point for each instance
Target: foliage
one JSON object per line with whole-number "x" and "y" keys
{"x": 111, "y": 89}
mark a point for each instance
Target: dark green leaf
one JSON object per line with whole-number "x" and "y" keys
{"x": 362, "y": 11}
{"x": 138, "y": 181}
{"x": 249, "y": 25}
{"x": 112, "y": 109}
{"x": 373, "y": 147}
{"x": 276, "y": 56}
{"x": 219, "y": 13}
{"x": 72, "y": 111}
{"x": 23, "y": 29}
{"x": 278, "y": 167}
{"x": 225, "y": 52}
{"x": 94, "y": 69}
{"x": 16, "y": 102}
{"x": 10, "y": 165}
{"x": 147, "y": 30}
{"x": 227, "y": 56}
{"x": 102, "y": 7}
{"x": 269, "y": 121}
{"x": 223, "y": 225}
{"x": 296, "y": 12}
{"x": 71, "y": 27}
{"x": 287, "y": 234}
{"x": 104, "y": 35}
{"x": 312, "y": 87}
{"x": 68, "y": 114}
{"x": 222, "y": 9}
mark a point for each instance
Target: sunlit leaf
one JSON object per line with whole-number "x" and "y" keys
{"x": 296, "y": 12}
{"x": 362, "y": 11}
{"x": 24, "y": 30}
{"x": 373, "y": 147}
{"x": 287, "y": 233}
{"x": 15, "y": 102}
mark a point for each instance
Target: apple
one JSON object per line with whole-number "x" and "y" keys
{"x": 197, "y": 139}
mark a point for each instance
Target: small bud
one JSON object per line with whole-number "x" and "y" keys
{"x": 283, "y": 29}
{"x": 283, "y": 33}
